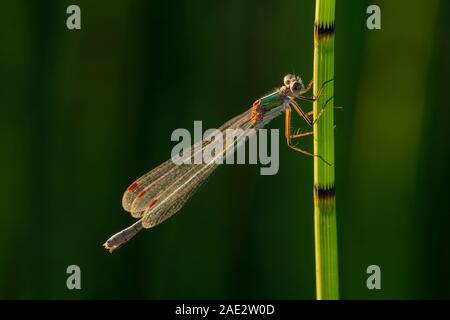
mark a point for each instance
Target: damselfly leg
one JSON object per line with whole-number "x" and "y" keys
{"x": 289, "y": 136}
{"x": 308, "y": 87}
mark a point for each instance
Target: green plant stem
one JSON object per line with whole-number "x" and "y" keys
{"x": 326, "y": 248}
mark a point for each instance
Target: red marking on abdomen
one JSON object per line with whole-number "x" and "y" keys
{"x": 152, "y": 203}
{"x": 140, "y": 194}
{"x": 133, "y": 186}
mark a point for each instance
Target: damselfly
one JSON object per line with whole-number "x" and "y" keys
{"x": 163, "y": 191}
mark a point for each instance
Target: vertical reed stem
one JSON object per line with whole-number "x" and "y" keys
{"x": 326, "y": 249}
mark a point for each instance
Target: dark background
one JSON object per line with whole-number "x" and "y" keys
{"x": 84, "y": 113}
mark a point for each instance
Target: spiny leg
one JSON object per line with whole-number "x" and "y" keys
{"x": 287, "y": 133}
{"x": 305, "y": 116}
{"x": 303, "y": 134}
{"x": 312, "y": 99}
{"x": 308, "y": 87}
{"x": 310, "y": 113}
{"x": 300, "y": 112}
{"x": 289, "y": 137}
{"x": 322, "y": 110}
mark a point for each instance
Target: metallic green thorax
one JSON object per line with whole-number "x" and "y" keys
{"x": 272, "y": 100}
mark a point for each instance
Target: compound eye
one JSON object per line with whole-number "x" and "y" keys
{"x": 287, "y": 79}
{"x": 296, "y": 86}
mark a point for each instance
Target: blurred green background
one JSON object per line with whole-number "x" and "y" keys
{"x": 84, "y": 113}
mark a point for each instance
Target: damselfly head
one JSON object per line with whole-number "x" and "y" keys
{"x": 294, "y": 83}
{"x": 287, "y": 79}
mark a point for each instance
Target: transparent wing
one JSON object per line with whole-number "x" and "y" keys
{"x": 154, "y": 177}
{"x": 154, "y": 188}
{"x": 172, "y": 198}
{"x": 140, "y": 184}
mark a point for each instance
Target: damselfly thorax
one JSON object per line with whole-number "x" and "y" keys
{"x": 163, "y": 191}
